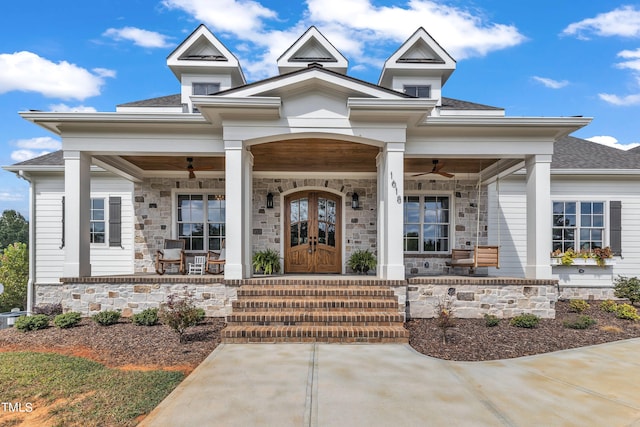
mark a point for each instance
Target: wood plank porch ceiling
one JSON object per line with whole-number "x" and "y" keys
{"x": 309, "y": 155}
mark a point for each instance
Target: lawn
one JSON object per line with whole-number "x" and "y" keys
{"x": 57, "y": 390}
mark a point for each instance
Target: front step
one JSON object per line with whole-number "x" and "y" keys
{"x": 320, "y": 312}
{"x": 325, "y": 334}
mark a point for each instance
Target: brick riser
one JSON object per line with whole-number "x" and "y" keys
{"x": 315, "y": 313}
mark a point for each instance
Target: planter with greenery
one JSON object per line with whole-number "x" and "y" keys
{"x": 266, "y": 262}
{"x": 361, "y": 261}
{"x": 601, "y": 257}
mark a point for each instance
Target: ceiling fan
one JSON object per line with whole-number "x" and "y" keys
{"x": 437, "y": 169}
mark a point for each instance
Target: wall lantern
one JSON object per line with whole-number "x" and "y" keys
{"x": 355, "y": 201}
{"x": 269, "y": 201}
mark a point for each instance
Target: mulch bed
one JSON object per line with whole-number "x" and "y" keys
{"x": 472, "y": 340}
{"x": 128, "y": 346}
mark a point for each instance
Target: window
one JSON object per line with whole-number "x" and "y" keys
{"x": 201, "y": 221}
{"x": 426, "y": 224}
{"x": 418, "y": 91}
{"x": 97, "y": 221}
{"x": 578, "y": 225}
{"x": 205, "y": 88}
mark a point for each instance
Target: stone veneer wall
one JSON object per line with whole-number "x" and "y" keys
{"x": 464, "y": 217}
{"x": 153, "y": 206}
{"x": 360, "y": 225}
{"x": 131, "y": 298}
{"x": 473, "y": 298}
{"x": 587, "y": 293}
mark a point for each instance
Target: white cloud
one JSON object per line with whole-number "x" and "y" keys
{"x": 612, "y": 142}
{"x": 632, "y": 59}
{"x": 63, "y": 108}
{"x": 139, "y": 37}
{"x": 6, "y": 196}
{"x": 623, "y": 21}
{"x": 351, "y": 26}
{"x": 33, "y": 147}
{"x": 623, "y": 101}
{"x": 550, "y": 83}
{"x": 28, "y": 72}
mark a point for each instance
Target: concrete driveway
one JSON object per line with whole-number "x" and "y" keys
{"x": 393, "y": 385}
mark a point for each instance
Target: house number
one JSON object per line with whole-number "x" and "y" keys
{"x": 395, "y": 187}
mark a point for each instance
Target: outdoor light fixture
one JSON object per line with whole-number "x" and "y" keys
{"x": 269, "y": 201}
{"x": 192, "y": 174}
{"x": 355, "y": 201}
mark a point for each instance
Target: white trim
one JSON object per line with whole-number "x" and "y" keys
{"x": 343, "y": 209}
{"x": 189, "y": 191}
{"x": 452, "y": 218}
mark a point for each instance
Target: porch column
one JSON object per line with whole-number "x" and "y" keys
{"x": 391, "y": 184}
{"x": 235, "y": 191}
{"x": 538, "y": 217}
{"x": 77, "y": 189}
{"x": 247, "y": 205}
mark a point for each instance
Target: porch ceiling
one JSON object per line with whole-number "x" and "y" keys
{"x": 165, "y": 163}
{"x": 454, "y": 166}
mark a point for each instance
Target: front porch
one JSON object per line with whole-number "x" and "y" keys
{"x": 417, "y": 297}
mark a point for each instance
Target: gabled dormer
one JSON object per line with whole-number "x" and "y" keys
{"x": 312, "y": 47}
{"x": 420, "y": 67}
{"x": 204, "y": 66}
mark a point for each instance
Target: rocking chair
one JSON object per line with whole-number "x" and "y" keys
{"x": 172, "y": 254}
{"x": 216, "y": 260}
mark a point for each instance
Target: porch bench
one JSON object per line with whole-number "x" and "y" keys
{"x": 482, "y": 256}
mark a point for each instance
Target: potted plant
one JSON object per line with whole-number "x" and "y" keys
{"x": 361, "y": 261}
{"x": 598, "y": 256}
{"x": 266, "y": 261}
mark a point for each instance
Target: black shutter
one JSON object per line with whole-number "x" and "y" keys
{"x": 615, "y": 227}
{"x": 115, "y": 222}
{"x": 62, "y": 240}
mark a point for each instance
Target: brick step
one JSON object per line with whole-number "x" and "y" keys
{"x": 317, "y": 318}
{"x": 288, "y": 291}
{"x": 327, "y": 334}
{"x": 315, "y": 304}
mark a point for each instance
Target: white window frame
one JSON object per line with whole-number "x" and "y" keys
{"x": 104, "y": 220}
{"x": 205, "y": 197}
{"x": 577, "y": 241}
{"x": 451, "y": 222}
{"x": 406, "y": 87}
{"x": 194, "y": 84}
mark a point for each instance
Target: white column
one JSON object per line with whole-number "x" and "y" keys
{"x": 393, "y": 183}
{"x": 247, "y": 205}
{"x": 234, "y": 195}
{"x": 382, "y": 198}
{"x": 538, "y": 217}
{"x": 77, "y": 189}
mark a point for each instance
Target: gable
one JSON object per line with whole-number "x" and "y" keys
{"x": 420, "y": 52}
{"x": 312, "y": 47}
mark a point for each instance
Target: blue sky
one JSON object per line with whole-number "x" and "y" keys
{"x": 533, "y": 58}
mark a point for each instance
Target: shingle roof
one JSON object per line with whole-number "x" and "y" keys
{"x": 457, "y": 104}
{"x": 635, "y": 150}
{"x": 51, "y": 159}
{"x": 162, "y": 101}
{"x": 576, "y": 153}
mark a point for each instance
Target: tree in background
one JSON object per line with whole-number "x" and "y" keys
{"x": 13, "y": 228}
{"x": 14, "y": 274}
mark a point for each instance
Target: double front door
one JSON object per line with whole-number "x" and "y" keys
{"x": 312, "y": 233}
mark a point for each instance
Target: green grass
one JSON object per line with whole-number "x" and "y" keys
{"x": 93, "y": 395}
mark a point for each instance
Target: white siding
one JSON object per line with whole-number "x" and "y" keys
{"x": 48, "y": 226}
{"x": 513, "y": 225}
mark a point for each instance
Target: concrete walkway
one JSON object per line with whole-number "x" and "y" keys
{"x": 392, "y": 385}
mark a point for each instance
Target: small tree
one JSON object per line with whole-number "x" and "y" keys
{"x": 179, "y": 313}
{"x": 14, "y": 274}
{"x": 13, "y": 229}
{"x": 627, "y": 287}
{"x": 446, "y": 317}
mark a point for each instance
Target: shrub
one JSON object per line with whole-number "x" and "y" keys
{"x": 179, "y": 313}
{"x": 627, "y": 287}
{"x": 612, "y": 329}
{"x": 525, "y": 320}
{"x": 31, "y": 323}
{"x": 627, "y": 311}
{"x": 580, "y": 322}
{"x": 608, "y": 306}
{"x": 201, "y": 314}
{"x": 67, "y": 320}
{"x": 51, "y": 310}
{"x": 106, "y": 318}
{"x": 148, "y": 317}
{"x": 491, "y": 320}
{"x": 446, "y": 317}
{"x": 578, "y": 305}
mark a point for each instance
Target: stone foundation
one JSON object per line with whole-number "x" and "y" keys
{"x": 131, "y": 298}
{"x": 475, "y": 297}
{"x": 586, "y": 293}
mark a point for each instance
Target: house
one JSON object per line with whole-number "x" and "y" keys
{"x": 316, "y": 164}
